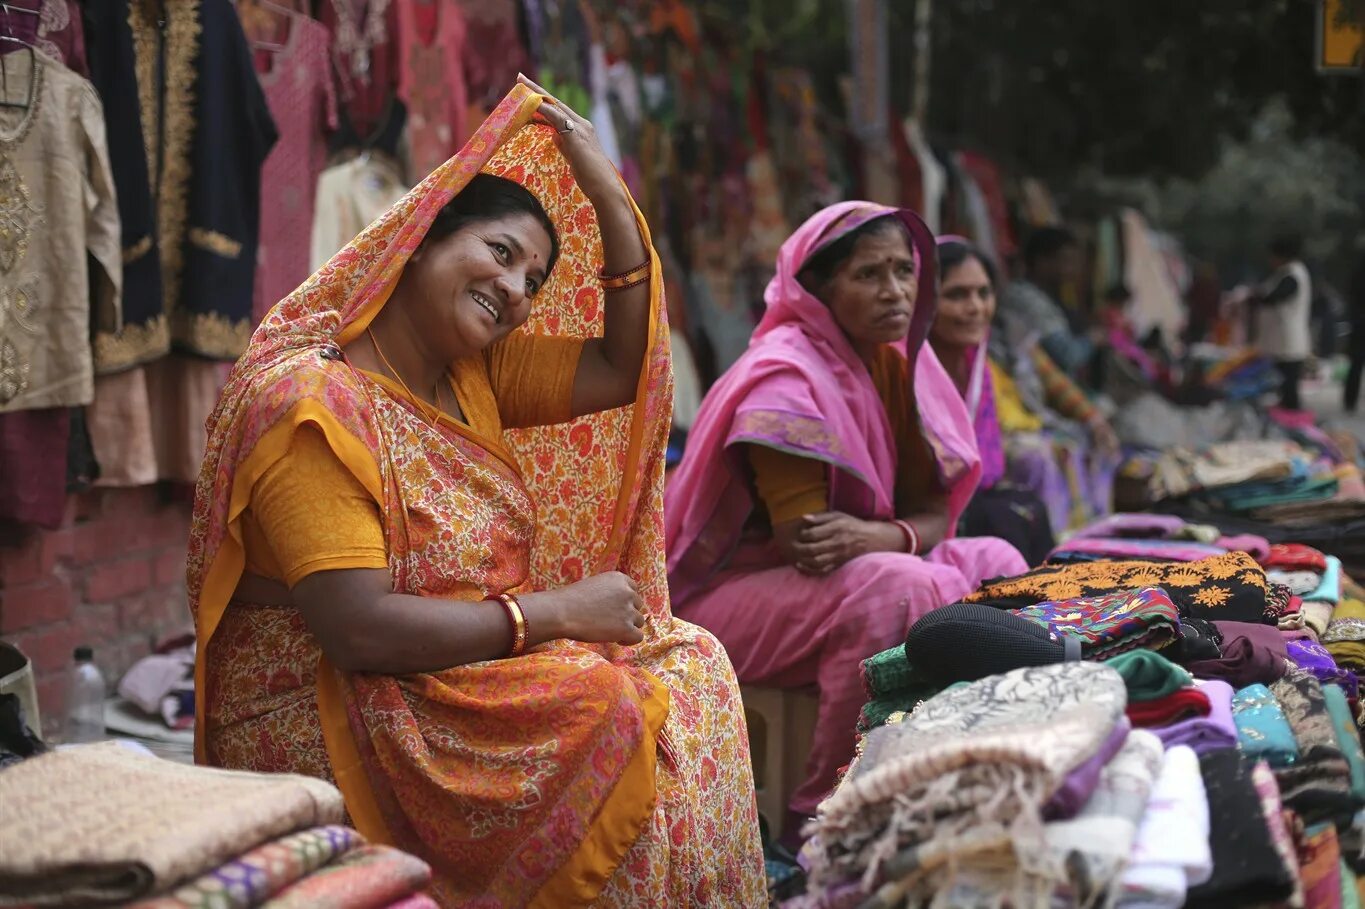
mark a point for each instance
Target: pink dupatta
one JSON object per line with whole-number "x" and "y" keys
{"x": 801, "y": 388}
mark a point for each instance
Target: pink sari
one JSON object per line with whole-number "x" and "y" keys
{"x": 801, "y": 388}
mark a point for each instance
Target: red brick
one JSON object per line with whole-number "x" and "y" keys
{"x": 98, "y": 540}
{"x": 113, "y": 580}
{"x": 170, "y": 567}
{"x": 140, "y": 612}
{"x": 51, "y": 703}
{"x": 21, "y": 561}
{"x": 99, "y": 621}
{"x": 50, "y": 648}
{"x": 30, "y": 605}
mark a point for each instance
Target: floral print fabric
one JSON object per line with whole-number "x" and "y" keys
{"x": 1230, "y": 587}
{"x": 1110, "y": 624}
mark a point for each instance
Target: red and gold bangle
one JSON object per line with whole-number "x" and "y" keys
{"x": 637, "y": 275}
{"x": 521, "y": 630}
{"x": 911, "y": 536}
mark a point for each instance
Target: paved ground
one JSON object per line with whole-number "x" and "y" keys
{"x": 1324, "y": 397}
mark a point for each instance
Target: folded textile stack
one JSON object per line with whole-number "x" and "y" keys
{"x": 1230, "y": 774}
{"x": 107, "y": 824}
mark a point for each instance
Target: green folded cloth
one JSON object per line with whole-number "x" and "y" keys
{"x": 1149, "y": 675}
{"x": 888, "y": 672}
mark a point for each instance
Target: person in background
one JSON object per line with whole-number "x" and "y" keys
{"x": 1355, "y": 303}
{"x": 1283, "y": 310}
{"x": 966, "y": 306}
{"x": 1052, "y": 263}
{"x": 812, "y": 519}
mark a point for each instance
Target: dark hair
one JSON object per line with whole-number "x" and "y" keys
{"x": 485, "y": 198}
{"x": 1287, "y": 247}
{"x": 1046, "y": 242}
{"x": 1118, "y": 293}
{"x": 816, "y": 271}
{"x": 954, "y": 253}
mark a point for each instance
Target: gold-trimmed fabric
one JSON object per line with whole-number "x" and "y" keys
{"x": 135, "y": 251}
{"x": 573, "y": 775}
{"x": 132, "y": 345}
{"x": 57, "y": 207}
{"x": 211, "y": 334}
{"x": 216, "y": 243}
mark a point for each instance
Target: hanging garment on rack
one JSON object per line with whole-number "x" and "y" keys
{"x": 188, "y": 179}
{"x": 299, "y": 89}
{"x": 432, "y": 49}
{"x": 57, "y": 208}
{"x": 61, "y": 34}
{"x": 494, "y": 27}
{"x": 33, "y": 446}
{"x": 350, "y": 196}
{"x": 365, "y": 59}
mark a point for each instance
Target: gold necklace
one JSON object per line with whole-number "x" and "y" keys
{"x": 421, "y": 405}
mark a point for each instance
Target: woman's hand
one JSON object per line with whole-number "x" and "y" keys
{"x": 603, "y": 609}
{"x": 578, "y": 142}
{"x": 829, "y": 540}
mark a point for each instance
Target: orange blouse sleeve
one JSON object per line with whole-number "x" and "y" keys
{"x": 788, "y": 485}
{"x": 916, "y": 470}
{"x": 309, "y": 513}
{"x": 532, "y": 378}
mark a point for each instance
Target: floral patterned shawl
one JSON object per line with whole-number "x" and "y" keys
{"x": 589, "y": 492}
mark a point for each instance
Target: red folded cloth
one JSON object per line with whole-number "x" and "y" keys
{"x": 1187, "y": 703}
{"x": 1294, "y": 557}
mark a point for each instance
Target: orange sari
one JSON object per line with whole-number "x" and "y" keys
{"x": 570, "y": 776}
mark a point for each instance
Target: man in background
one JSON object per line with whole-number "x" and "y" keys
{"x": 1283, "y": 308}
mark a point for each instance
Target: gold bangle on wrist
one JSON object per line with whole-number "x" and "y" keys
{"x": 520, "y": 628}
{"x": 637, "y": 275}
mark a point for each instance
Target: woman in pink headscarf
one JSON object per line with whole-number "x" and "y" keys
{"x": 811, "y": 520}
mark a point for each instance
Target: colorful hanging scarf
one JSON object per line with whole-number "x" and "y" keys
{"x": 801, "y": 388}
{"x": 1109, "y": 625}
{"x": 1230, "y": 587}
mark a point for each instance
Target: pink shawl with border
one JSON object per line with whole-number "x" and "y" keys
{"x": 801, "y": 388}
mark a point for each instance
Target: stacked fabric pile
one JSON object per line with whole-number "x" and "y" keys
{"x": 1132, "y": 732}
{"x": 108, "y": 824}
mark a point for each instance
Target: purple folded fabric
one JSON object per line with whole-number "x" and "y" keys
{"x": 1251, "y": 653}
{"x": 1309, "y": 654}
{"x": 1081, "y": 782}
{"x": 1205, "y": 733}
{"x": 1257, "y": 547}
{"x": 1129, "y": 548}
{"x": 1149, "y": 526}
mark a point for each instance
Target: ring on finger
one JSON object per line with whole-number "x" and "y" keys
{"x": 568, "y": 126}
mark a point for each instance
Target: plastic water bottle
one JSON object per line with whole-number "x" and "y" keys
{"x": 85, "y": 700}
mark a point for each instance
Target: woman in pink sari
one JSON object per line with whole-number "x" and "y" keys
{"x": 811, "y": 520}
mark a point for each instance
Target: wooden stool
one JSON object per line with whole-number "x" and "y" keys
{"x": 781, "y": 725}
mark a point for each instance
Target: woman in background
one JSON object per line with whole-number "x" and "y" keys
{"x": 966, "y": 306}
{"x": 811, "y": 521}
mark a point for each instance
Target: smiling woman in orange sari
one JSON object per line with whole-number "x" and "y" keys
{"x": 469, "y": 631}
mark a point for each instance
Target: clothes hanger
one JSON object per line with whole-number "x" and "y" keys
{"x": 290, "y": 15}
{"x": 8, "y": 37}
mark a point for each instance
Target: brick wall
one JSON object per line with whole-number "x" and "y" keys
{"x": 113, "y": 577}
